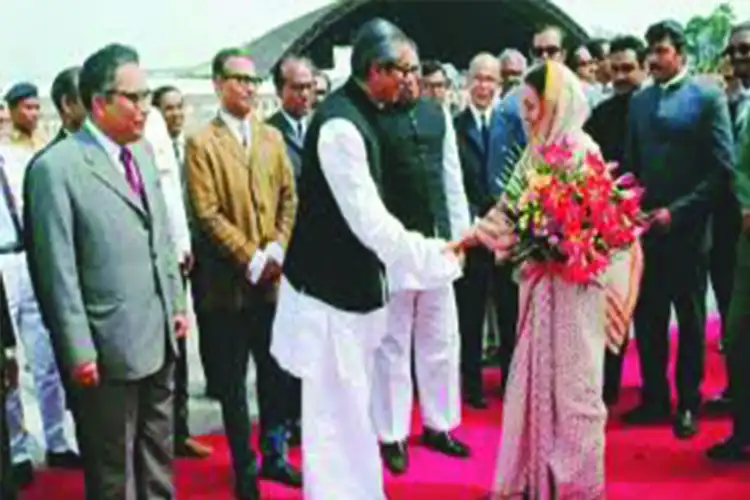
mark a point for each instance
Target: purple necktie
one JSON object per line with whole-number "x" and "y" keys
{"x": 131, "y": 171}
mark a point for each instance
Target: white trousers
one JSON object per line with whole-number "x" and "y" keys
{"x": 341, "y": 459}
{"x": 428, "y": 321}
{"x": 37, "y": 350}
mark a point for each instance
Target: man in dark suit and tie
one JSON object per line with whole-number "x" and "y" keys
{"x": 108, "y": 281}
{"x": 8, "y": 378}
{"x": 680, "y": 147}
{"x": 295, "y": 84}
{"x": 489, "y": 139}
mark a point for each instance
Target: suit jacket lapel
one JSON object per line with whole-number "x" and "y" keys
{"x": 147, "y": 167}
{"x": 743, "y": 108}
{"x": 103, "y": 169}
{"x": 228, "y": 141}
{"x": 472, "y": 131}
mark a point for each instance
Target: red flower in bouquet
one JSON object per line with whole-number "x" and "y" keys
{"x": 571, "y": 213}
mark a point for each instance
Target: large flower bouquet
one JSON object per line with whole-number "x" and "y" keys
{"x": 570, "y": 213}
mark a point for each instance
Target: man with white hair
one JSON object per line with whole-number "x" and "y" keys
{"x": 513, "y": 65}
{"x": 490, "y": 134}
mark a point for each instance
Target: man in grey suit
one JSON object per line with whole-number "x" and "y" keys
{"x": 108, "y": 281}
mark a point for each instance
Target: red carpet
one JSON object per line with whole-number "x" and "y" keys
{"x": 642, "y": 463}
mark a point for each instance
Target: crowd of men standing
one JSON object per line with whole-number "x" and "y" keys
{"x": 102, "y": 229}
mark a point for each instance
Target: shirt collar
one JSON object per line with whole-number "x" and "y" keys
{"x": 237, "y": 125}
{"x": 294, "y": 122}
{"x": 676, "y": 80}
{"x": 110, "y": 146}
{"x": 484, "y": 116}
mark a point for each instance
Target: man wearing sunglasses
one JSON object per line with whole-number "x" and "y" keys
{"x": 608, "y": 127}
{"x": 547, "y": 45}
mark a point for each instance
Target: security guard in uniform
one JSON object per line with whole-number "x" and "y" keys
{"x": 24, "y": 106}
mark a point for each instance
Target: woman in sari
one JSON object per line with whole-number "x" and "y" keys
{"x": 552, "y": 444}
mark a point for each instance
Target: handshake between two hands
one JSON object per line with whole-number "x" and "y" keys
{"x": 493, "y": 231}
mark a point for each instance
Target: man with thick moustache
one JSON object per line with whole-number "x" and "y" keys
{"x": 680, "y": 146}
{"x": 108, "y": 282}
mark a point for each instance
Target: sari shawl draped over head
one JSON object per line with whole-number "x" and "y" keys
{"x": 552, "y": 444}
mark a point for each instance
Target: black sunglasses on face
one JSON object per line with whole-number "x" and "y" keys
{"x": 741, "y": 50}
{"x": 549, "y": 51}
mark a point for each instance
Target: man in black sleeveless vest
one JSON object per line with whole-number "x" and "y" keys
{"x": 423, "y": 188}
{"x": 331, "y": 312}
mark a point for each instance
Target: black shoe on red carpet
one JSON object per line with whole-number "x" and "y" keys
{"x": 719, "y": 404}
{"x": 281, "y": 471}
{"x": 395, "y": 457}
{"x": 732, "y": 449}
{"x": 444, "y": 443}
{"x": 685, "y": 424}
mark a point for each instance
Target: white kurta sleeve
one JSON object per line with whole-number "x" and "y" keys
{"x": 343, "y": 160}
{"x": 455, "y": 194}
{"x": 170, "y": 182}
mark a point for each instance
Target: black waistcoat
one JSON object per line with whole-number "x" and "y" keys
{"x": 412, "y": 140}
{"x": 325, "y": 259}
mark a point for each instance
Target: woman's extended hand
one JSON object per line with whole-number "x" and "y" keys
{"x": 494, "y": 231}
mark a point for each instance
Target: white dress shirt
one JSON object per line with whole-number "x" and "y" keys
{"x": 170, "y": 182}
{"x": 482, "y": 117}
{"x": 110, "y": 147}
{"x": 295, "y": 123}
{"x": 240, "y": 128}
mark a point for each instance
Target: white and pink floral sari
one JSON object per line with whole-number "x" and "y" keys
{"x": 552, "y": 444}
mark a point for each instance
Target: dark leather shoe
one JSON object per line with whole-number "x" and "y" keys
{"x": 247, "y": 489}
{"x": 731, "y": 449}
{"x": 23, "y": 474}
{"x": 719, "y": 404}
{"x": 685, "y": 424}
{"x": 395, "y": 456}
{"x": 444, "y": 443}
{"x": 191, "y": 448}
{"x": 646, "y": 414}
{"x": 65, "y": 460}
{"x": 295, "y": 434}
{"x": 476, "y": 400}
{"x": 281, "y": 471}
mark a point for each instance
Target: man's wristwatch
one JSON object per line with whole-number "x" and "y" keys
{"x": 10, "y": 353}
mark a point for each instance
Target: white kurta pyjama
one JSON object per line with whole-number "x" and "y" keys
{"x": 331, "y": 350}
{"x": 427, "y": 320}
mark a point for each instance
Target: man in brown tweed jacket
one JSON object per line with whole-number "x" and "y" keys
{"x": 241, "y": 187}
